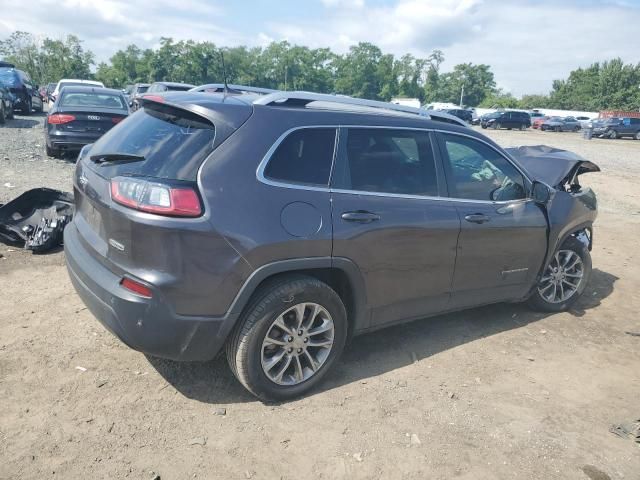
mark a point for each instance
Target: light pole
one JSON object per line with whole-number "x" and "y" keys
{"x": 461, "y": 93}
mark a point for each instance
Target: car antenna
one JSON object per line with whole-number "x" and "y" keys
{"x": 224, "y": 74}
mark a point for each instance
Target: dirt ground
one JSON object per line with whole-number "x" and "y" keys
{"x": 492, "y": 393}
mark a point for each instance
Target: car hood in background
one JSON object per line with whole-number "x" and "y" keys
{"x": 552, "y": 166}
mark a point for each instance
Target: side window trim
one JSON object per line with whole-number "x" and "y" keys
{"x": 299, "y": 186}
{"x": 444, "y": 160}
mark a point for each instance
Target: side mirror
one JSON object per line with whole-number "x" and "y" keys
{"x": 540, "y": 193}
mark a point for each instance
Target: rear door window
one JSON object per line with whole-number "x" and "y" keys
{"x": 304, "y": 156}
{"x": 388, "y": 161}
{"x": 173, "y": 142}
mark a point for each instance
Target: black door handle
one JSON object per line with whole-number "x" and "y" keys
{"x": 477, "y": 218}
{"x": 360, "y": 216}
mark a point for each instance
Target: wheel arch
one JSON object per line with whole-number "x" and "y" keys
{"x": 585, "y": 228}
{"x": 341, "y": 274}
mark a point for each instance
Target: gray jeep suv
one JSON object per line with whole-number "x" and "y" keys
{"x": 278, "y": 226}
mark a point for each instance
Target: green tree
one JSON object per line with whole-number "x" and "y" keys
{"x": 477, "y": 80}
{"x": 500, "y": 99}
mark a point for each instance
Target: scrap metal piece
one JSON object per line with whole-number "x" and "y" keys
{"x": 627, "y": 430}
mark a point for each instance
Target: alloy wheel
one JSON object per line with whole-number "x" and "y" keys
{"x": 562, "y": 278}
{"x": 297, "y": 344}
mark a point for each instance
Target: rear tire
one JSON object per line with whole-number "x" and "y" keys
{"x": 544, "y": 297}
{"x": 258, "y": 340}
{"x": 637, "y": 135}
{"x": 28, "y": 108}
{"x": 51, "y": 152}
{"x": 3, "y": 114}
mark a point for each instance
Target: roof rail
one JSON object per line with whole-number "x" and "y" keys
{"x": 238, "y": 88}
{"x": 305, "y": 98}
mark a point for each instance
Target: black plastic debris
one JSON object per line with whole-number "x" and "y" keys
{"x": 36, "y": 219}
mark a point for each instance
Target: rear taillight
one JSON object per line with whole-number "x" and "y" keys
{"x": 60, "y": 118}
{"x": 117, "y": 119}
{"x": 136, "y": 287}
{"x": 153, "y": 98}
{"x": 155, "y": 197}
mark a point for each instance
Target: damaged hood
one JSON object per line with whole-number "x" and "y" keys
{"x": 550, "y": 165}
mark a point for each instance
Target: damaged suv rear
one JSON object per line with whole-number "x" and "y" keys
{"x": 275, "y": 227}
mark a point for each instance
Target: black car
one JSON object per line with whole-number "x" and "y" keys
{"x": 19, "y": 83}
{"x": 461, "y": 113}
{"x": 81, "y": 115}
{"x": 618, "y": 127}
{"x": 506, "y": 119}
{"x": 6, "y": 104}
{"x": 275, "y": 227}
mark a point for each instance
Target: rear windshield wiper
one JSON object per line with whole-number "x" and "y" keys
{"x": 116, "y": 157}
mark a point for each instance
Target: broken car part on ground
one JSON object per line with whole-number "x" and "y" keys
{"x": 36, "y": 219}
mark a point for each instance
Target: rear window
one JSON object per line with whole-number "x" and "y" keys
{"x": 8, "y": 78}
{"x": 179, "y": 88}
{"x": 89, "y": 99}
{"x": 305, "y": 156}
{"x": 142, "y": 89}
{"x": 174, "y": 143}
{"x": 75, "y": 84}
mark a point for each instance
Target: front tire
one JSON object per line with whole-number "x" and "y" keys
{"x": 3, "y": 113}
{"x": 613, "y": 134}
{"x": 564, "y": 278}
{"x": 288, "y": 338}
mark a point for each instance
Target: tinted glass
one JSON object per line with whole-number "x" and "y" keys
{"x": 8, "y": 78}
{"x": 180, "y": 88}
{"x": 174, "y": 143}
{"x": 75, "y": 84}
{"x": 141, "y": 89}
{"x": 389, "y": 161}
{"x": 635, "y": 121}
{"x": 305, "y": 156}
{"x": 101, "y": 100}
{"x": 478, "y": 172}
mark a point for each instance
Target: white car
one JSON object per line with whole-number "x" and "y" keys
{"x": 74, "y": 82}
{"x": 585, "y": 122}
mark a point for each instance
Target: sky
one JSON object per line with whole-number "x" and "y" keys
{"x": 527, "y": 43}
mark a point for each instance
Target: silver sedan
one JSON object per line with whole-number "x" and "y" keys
{"x": 560, "y": 124}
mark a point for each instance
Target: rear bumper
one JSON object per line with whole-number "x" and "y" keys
{"x": 70, "y": 141}
{"x": 146, "y": 325}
